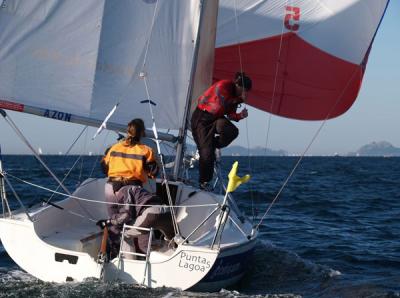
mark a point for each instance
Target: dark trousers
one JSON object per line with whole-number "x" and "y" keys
{"x": 125, "y": 214}
{"x": 204, "y": 130}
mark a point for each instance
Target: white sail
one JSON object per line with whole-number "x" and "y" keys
{"x": 83, "y": 57}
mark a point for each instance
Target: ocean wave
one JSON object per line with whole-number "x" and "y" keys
{"x": 274, "y": 270}
{"x": 32, "y": 287}
{"x": 11, "y": 275}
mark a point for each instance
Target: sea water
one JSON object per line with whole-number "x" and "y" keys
{"x": 333, "y": 232}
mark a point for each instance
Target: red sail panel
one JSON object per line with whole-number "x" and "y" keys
{"x": 310, "y": 84}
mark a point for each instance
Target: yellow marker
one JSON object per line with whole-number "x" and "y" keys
{"x": 234, "y": 179}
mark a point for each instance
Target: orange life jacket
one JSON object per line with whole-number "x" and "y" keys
{"x": 129, "y": 161}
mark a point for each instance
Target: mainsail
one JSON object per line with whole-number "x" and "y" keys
{"x": 306, "y": 57}
{"x": 80, "y": 58}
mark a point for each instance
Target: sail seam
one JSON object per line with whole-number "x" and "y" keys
{"x": 97, "y": 59}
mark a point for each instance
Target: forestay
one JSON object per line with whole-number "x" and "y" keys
{"x": 82, "y": 57}
{"x": 306, "y": 57}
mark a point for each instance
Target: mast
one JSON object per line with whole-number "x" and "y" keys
{"x": 208, "y": 8}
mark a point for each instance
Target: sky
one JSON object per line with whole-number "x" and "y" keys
{"x": 373, "y": 117}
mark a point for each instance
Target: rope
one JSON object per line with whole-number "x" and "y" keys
{"x": 306, "y": 150}
{"x": 238, "y": 43}
{"x": 246, "y": 120}
{"x": 275, "y": 82}
{"x": 150, "y": 33}
{"x": 76, "y": 161}
{"x": 65, "y": 177}
{"x": 74, "y": 142}
{"x": 99, "y": 154}
{"x": 101, "y": 202}
{"x": 118, "y": 102}
{"x": 83, "y": 151}
{"x": 274, "y": 89}
{"x": 24, "y": 140}
{"x": 164, "y": 173}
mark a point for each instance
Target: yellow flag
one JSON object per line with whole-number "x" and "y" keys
{"x": 234, "y": 179}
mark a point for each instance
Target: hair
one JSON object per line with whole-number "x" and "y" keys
{"x": 243, "y": 81}
{"x": 135, "y": 131}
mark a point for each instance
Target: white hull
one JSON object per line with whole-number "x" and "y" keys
{"x": 59, "y": 246}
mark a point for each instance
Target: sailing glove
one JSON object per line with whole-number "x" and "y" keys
{"x": 102, "y": 223}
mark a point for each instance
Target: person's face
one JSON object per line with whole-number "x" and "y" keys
{"x": 241, "y": 92}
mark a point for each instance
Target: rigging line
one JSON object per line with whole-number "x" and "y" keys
{"x": 164, "y": 172}
{"x": 238, "y": 43}
{"x": 26, "y": 142}
{"x": 102, "y": 202}
{"x": 98, "y": 154}
{"x": 275, "y": 83}
{"x": 94, "y": 165}
{"x": 154, "y": 127}
{"x": 150, "y": 34}
{"x": 246, "y": 120}
{"x": 70, "y": 212}
{"x": 74, "y": 142}
{"x": 168, "y": 149}
{"x": 307, "y": 148}
{"x": 118, "y": 102}
{"x": 74, "y": 164}
{"x": 65, "y": 177}
{"x": 84, "y": 150}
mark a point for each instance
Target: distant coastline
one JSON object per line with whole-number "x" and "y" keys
{"x": 374, "y": 149}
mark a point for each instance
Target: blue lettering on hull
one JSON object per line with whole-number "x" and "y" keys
{"x": 57, "y": 115}
{"x": 228, "y": 267}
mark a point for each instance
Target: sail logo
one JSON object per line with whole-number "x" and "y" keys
{"x": 193, "y": 262}
{"x": 57, "y": 115}
{"x": 292, "y": 18}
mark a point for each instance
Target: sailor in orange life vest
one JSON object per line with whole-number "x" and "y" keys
{"x": 210, "y": 128}
{"x": 128, "y": 164}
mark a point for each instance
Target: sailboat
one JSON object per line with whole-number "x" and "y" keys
{"x": 104, "y": 63}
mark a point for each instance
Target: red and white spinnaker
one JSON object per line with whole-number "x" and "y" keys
{"x": 306, "y": 58}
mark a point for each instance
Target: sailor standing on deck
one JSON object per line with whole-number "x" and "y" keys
{"x": 128, "y": 164}
{"x": 210, "y": 128}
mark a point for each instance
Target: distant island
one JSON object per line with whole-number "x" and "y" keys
{"x": 373, "y": 149}
{"x": 257, "y": 151}
{"x": 377, "y": 149}
{"x": 242, "y": 151}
